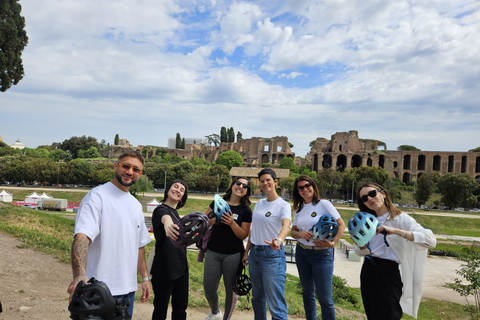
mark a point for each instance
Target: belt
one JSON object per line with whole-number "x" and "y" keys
{"x": 311, "y": 247}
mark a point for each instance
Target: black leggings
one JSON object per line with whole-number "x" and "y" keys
{"x": 178, "y": 290}
{"x": 381, "y": 286}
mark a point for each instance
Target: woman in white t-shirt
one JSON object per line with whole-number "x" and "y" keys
{"x": 270, "y": 226}
{"x": 314, "y": 257}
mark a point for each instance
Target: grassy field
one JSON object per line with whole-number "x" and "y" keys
{"x": 52, "y": 233}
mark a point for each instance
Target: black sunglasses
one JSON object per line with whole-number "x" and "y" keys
{"x": 127, "y": 167}
{"x": 244, "y": 185}
{"x": 305, "y": 186}
{"x": 371, "y": 194}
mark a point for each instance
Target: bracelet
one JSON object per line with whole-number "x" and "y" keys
{"x": 145, "y": 279}
{"x": 279, "y": 239}
{"x": 406, "y": 234}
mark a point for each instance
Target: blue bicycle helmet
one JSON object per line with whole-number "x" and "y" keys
{"x": 326, "y": 228}
{"x": 362, "y": 227}
{"x": 220, "y": 206}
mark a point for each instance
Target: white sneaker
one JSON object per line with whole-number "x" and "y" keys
{"x": 217, "y": 316}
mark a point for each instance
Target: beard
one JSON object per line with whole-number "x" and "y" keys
{"x": 118, "y": 177}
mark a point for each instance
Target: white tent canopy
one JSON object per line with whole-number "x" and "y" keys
{"x": 44, "y": 196}
{"x": 32, "y": 198}
{"x": 152, "y": 205}
{"x": 6, "y": 196}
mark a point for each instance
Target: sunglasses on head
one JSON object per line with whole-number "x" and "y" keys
{"x": 305, "y": 186}
{"x": 239, "y": 183}
{"x": 127, "y": 167}
{"x": 371, "y": 194}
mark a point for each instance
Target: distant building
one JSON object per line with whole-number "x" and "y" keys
{"x": 18, "y": 145}
{"x": 172, "y": 142}
{"x": 346, "y": 150}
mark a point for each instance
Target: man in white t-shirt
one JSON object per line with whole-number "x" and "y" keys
{"x": 110, "y": 234}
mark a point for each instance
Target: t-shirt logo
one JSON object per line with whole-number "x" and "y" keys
{"x": 235, "y": 216}
{"x": 314, "y": 214}
{"x": 268, "y": 214}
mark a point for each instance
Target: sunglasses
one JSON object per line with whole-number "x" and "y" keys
{"x": 305, "y": 186}
{"x": 371, "y": 194}
{"x": 239, "y": 183}
{"x": 127, "y": 167}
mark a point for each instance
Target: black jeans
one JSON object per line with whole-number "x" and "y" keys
{"x": 381, "y": 286}
{"x": 178, "y": 289}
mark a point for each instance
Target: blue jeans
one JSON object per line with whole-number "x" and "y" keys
{"x": 267, "y": 269}
{"x": 315, "y": 269}
{"x": 131, "y": 297}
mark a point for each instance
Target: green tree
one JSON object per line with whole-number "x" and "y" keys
{"x": 223, "y": 135}
{"x": 329, "y": 181}
{"x": 91, "y": 152}
{"x": 103, "y": 144}
{"x": 312, "y": 143}
{"x": 290, "y": 145}
{"x": 288, "y": 163}
{"x": 116, "y": 140}
{"x": 406, "y": 147}
{"x": 425, "y": 187}
{"x": 13, "y": 39}
{"x": 74, "y": 144}
{"x": 230, "y": 159}
{"x": 456, "y": 189}
{"x": 142, "y": 185}
{"x": 183, "y": 144}
{"x": 239, "y": 136}
{"x": 208, "y": 183}
{"x": 221, "y": 173}
{"x": 178, "y": 141}
{"x": 231, "y": 135}
{"x": 477, "y": 149}
{"x": 470, "y": 271}
{"x": 213, "y": 138}
{"x": 288, "y": 184}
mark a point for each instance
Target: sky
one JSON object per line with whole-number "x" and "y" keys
{"x": 403, "y": 72}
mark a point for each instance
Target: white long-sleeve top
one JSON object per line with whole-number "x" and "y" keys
{"x": 412, "y": 256}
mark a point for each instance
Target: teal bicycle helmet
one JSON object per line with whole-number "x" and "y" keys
{"x": 362, "y": 227}
{"x": 326, "y": 228}
{"x": 220, "y": 206}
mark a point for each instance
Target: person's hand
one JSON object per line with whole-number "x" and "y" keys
{"x": 245, "y": 259}
{"x": 146, "y": 291}
{"x": 382, "y": 229}
{"x": 73, "y": 285}
{"x": 227, "y": 218}
{"x": 274, "y": 244}
{"x": 323, "y": 243}
{"x": 307, "y": 235}
{"x": 172, "y": 231}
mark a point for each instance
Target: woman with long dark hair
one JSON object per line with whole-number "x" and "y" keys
{"x": 314, "y": 257}
{"x": 225, "y": 247}
{"x": 392, "y": 275}
{"x": 170, "y": 267}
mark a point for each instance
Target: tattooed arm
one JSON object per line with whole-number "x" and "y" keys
{"x": 79, "y": 261}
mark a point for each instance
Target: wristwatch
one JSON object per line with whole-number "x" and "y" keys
{"x": 279, "y": 239}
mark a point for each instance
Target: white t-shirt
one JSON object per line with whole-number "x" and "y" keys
{"x": 113, "y": 220}
{"x": 267, "y": 220}
{"x": 308, "y": 217}
{"x": 378, "y": 246}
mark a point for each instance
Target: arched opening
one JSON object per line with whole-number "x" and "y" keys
{"x": 464, "y": 164}
{"x": 421, "y": 162}
{"x": 381, "y": 161}
{"x": 341, "y": 162}
{"x": 451, "y": 163}
{"x": 315, "y": 162}
{"x": 356, "y": 161}
{"x": 265, "y": 158}
{"x": 477, "y": 164}
{"x": 280, "y": 157}
{"x": 327, "y": 161}
{"x": 395, "y": 164}
{"x": 436, "y": 163}
{"x": 406, "y": 162}
{"x": 406, "y": 178}
{"x": 369, "y": 162}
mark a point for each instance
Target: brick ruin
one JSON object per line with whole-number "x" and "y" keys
{"x": 345, "y": 150}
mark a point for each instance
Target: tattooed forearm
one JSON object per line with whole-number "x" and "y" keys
{"x": 79, "y": 255}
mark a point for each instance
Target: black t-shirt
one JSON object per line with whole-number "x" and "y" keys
{"x": 169, "y": 263}
{"x": 223, "y": 239}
